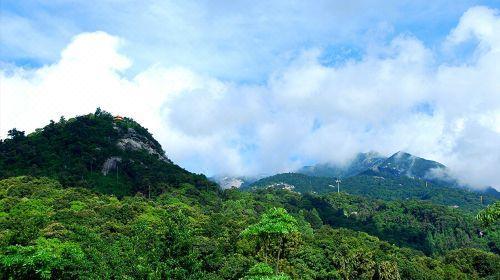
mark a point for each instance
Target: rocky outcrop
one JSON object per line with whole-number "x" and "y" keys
{"x": 230, "y": 182}
{"x": 110, "y": 164}
{"x": 134, "y": 141}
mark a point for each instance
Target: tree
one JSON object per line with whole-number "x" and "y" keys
{"x": 15, "y": 134}
{"x": 272, "y": 231}
{"x": 262, "y": 271}
{"x": 490, "y": 215}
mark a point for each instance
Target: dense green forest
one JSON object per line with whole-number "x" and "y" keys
{"x": 75, "y": 152}
{"x": 66, "y": 212}
{"x": 49, "y": 231}
{"x": 386, "y": 188}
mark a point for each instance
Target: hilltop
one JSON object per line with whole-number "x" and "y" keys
{"x": 97, "y": 151}
{"x": 97, "y": 197}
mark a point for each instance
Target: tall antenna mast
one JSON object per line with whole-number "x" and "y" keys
{"x": 338, "y": 181}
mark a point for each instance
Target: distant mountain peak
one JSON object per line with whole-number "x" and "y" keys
{"x": 406, "y": 164}
{"x": 360, "y": 163}
{"x": 398, "y": 164}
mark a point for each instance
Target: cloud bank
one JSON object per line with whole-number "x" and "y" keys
{"x": 398, "y": 96}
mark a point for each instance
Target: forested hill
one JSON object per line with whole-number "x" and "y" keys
{"x": 112, "y": 155}
{"x": 386, "y": 188}
{"x": 95, "y": 197}
{"x": 53, "y": 232}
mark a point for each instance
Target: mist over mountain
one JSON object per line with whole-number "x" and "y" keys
{"x": 360, "y": 163}
{"x": 378, "y": 187}
{"x": 250, "y": 140}
{"x": 96, "y": 194}
{"x": 405, "y": 164}
{"x": 397, "y": 165}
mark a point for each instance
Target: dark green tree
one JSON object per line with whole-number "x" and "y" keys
{"x": 273, "y": 230}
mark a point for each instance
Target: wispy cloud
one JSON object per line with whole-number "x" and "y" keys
{"x": 240, "y": 40}
{"x": 396, "y": 95}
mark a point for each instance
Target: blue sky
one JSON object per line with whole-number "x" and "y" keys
{"x": 233, "y": 40}
{"x": 244, "y": 88}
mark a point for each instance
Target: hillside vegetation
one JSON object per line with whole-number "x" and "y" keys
{"x": 52, "y": 232}
{"x": 95, "y": 197}
{"x": 117, "y": 157}
{"x": 386, "y": 188}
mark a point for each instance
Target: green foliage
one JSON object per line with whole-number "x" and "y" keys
{"x": 262, "y": 271}
{"x": 52, "y": 232}
{"x": 490, "y": 215}
{"x": 386, "y": 188}
{"x": 275, "y": 221}
{"x": 424, "y": 226}
{"x": 150, "y": 219}
{"x": 74, "y": 152}
{"x": 275, "y": 233}
{"x": 474, "y": 262}
{"x": 46, "y": 259}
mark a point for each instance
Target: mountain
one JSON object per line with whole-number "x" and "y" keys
{"x": 385, "y": 188}
{"x": 362, "y": 162}
{"x": 295, "y": 182}
{"x": 227, "y": 182}
{"x": 96, "y": 197}
{"x": 113, "y": 155}
{"x": 372, "y": 163}
{"x": 405, "y": 164}
{"x": 49, "y": 231}
{"x": 398, "y": 165}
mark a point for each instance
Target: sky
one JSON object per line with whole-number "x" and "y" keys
{"x": 245, "y": 87}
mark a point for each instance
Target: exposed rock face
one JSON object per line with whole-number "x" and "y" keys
{"x": 404, "y": 164}
{"x": 230, "y": 182}
{"x": 360, "y": 163}
{"x": 134, "y": 141}
{"x": 110, "y": 164}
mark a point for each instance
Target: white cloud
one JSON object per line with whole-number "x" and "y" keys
{"x": 240, "y": 40}
{"x": 397, "y": 97}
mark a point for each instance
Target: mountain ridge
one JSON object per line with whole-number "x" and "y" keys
{"x": 398, "y": 164}
{"x": 377, "y": 187}
{"x": 113, "y": 155}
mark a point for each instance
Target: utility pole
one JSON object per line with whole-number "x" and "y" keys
{"x": 338, "y": 181}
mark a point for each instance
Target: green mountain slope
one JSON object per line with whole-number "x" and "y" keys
{"x": 98, "y": 199}
{"x": 403, "y": 164}
{"x": 386, "y": 188}
{"x": 53, "y": 232}
{"x": 96, "y": 151}
{"x": 421, "y": 225}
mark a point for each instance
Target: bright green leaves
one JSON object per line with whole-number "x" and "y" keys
{"x": 46, "y": 259}
{"x": 47, "y": 231}
{"x": 262, "y": 271}
{"x": 275, "y": 221}
{"x": 25, "y": 220}
{"x": 26, "y": 186}
{"x": 490, "y": 215}
{"x": 276, "y": 232}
